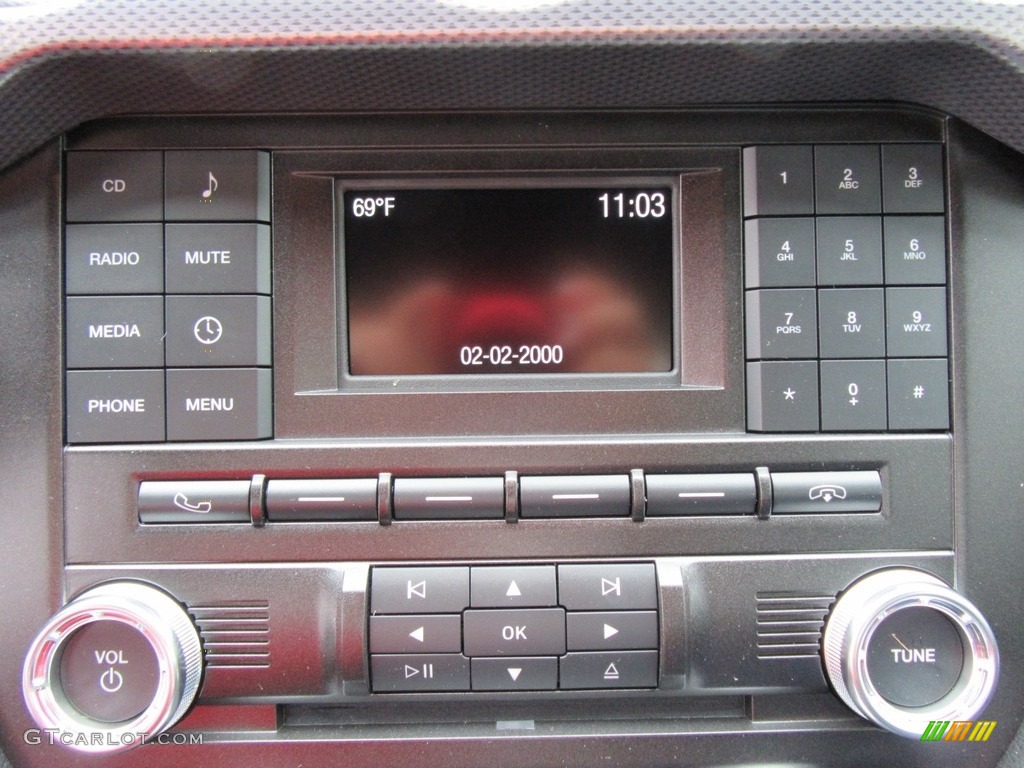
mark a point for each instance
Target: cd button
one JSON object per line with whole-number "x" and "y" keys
{"x": 608, "y": 586}
{"x": 520, "y": 586}
{"x": 115, "y": 186}
{"x": 442, "y": 589}
{"x": 574, "y": 496}
{"x": 725, "y": 494}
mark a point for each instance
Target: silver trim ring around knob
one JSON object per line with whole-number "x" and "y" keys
{"x": 166, "y": 627}
{"x": 852, "y": 624}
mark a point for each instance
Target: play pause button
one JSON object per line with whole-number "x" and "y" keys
{"x": 419, "y": 672}
{"x": 524, "y": 673}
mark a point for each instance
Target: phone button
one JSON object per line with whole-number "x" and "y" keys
{"x": 192, "y": 501}
{"x": 825, "y": 492}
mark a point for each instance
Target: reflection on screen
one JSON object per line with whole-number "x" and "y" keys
{"x": 508, "y": 281}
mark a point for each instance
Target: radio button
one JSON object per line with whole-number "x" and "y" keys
{"x": 621, "y": 669}
{"x": 223, "y": 185}
{"x": 918, "y": 394}
{"x": 574, "y": 496}
{"x": 849, "y": 250}
{"x": 449, "y": 498}
{"x": 847, "y": 179}
{"x": 518, "y": 632}
{"x": 114, "y": 258}
{"x": 419, "y": 590}
{"x": 851, "y": 322}
{"x": 780, "y": 253}
{"x": 518, "y": 586}
{"x": 218, "y": 258}
{"x": 912, "y": 178}
{"x": 915, "y": 250}
{"x": 825, "y": 492}
{"x": 782, "y": 397}
{"x": 115, "y": 186}
{"x": 523, "y": 673}
{"x": 115, "y": 406}
{"x": 419, "y": 672}
{"x": 305, "y": 500}
{"x": 194, "y": 501}
{"x": 115, "y": 332}
{"x": 778, "y": 181}
{"x": 218, "y": 331}
{"x": 782, "y": 324}
{"x": 916, "y": 322}
{"x": 416, "y": 634}
{"x": 219, "y": 404}
{"x": 608, "y": 586}
{"x": 677, "y": 495}
{"x": 613, "y": 630}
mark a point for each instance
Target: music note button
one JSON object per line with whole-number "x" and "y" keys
{"x": 211, "y": 187}
{"x": 217, "y": 185}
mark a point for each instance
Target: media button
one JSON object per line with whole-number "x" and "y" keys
{"x": 115, "y": 332}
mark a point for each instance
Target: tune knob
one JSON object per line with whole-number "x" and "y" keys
{"x": 116, "y": 666}
{"x": 903, "y": 649}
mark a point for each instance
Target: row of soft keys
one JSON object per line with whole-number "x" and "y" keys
{"x": 384, "y": 499}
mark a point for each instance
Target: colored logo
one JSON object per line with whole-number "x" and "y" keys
{"x": 958, "y": 730}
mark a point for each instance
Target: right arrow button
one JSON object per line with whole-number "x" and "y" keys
{"x": 612, "y": 630}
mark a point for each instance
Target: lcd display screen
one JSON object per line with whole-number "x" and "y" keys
{"x": 509, "y": 281}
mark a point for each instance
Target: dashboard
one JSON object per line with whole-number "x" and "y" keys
{"x": 450, "y": 383}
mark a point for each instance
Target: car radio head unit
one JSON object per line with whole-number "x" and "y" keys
{"x": 511, "y": 278}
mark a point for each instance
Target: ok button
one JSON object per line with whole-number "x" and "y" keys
{"x": 525, "y": 632}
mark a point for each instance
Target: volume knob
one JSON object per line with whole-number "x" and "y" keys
{"x": 903, "y": 649}
{"x": 117, "y": 665}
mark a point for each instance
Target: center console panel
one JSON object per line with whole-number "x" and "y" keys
{"x": 354, "y": 526}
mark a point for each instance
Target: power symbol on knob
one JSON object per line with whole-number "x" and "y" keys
{"x": 111, "y": 680}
